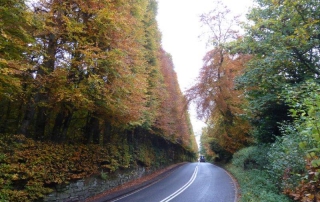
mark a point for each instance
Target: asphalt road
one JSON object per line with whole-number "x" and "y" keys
{"x": 192, "y": 182}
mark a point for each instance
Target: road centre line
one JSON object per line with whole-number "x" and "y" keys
{"x": 184, "y": 187}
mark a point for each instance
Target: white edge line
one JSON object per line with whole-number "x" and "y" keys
{"x": 117, "y": 199}
{"x": 184, "y": 187}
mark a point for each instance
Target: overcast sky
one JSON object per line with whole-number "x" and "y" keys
{"x": 179, "y": 23}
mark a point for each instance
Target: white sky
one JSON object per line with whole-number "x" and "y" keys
{"x": 179, "y": 23}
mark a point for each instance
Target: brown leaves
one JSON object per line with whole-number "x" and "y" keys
{"x": 34, "y": 166}
{"x": 218, "y": 101}
{"x": 215, "y": 95}
{"x": 173, "y": 117}
{"x": 308, "y": 189}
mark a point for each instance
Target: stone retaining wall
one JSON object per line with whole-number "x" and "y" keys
{"x": 86, "y": 188}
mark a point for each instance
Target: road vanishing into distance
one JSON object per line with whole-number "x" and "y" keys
{"x": 194, "y": 182}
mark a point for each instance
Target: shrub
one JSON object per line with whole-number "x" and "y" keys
{"x": 251, "y": 157}
{"x": 103, "y": 175}
{"x": 220, "y": 151}
{"x": 255, "y": 182}
{"x": 304, "y": 100}
{"x": 287, "y": 159}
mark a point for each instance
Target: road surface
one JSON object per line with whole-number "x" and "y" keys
{"x": 194, "y": 182}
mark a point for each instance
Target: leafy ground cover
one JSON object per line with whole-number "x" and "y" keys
{"x": 31, "y": 169}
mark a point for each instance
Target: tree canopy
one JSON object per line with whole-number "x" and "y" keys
{"x": 75, "y": 64}
{"x": 217, "y": 99}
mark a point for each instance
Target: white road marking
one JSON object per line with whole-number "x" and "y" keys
{"x": 125, "y": 196}
{"x": 184, "y": 187}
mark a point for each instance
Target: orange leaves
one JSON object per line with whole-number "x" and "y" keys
{"x": 219, "y": 102}
{"x": 173, "y": 117}
{"x": 35, "y": 166}
{"x": 308, "y": 189}
{"x": 93, "y": 58}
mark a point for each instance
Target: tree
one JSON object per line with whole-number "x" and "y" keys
{"x": 155, "y": 83}
{"x": 90, "y": 61}
{"x": 14, "y": 36}
{"x": 283, "y": 37}
{"x": 172, "y": 119}
{"x": 214, "y": 93}
{"x": 16, "y": 23}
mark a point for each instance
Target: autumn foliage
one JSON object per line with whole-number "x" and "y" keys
{"x": 218, "y": 101}
{"x": 88, "y": 84}
{"x": 173, "y": 105}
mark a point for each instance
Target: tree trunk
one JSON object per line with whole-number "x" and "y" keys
{"x": 41, "y": 118}
{"x": 27, "y": 119}
{"x": 4, "y": 118}
{"x": 95, "y": 130}
{"x": 106, "y": 133}
{"x": 56, "y": 131}
{"x": 92, "y": 131}
{"x": 66, "y": 124}
{"x": 41, "y": 122}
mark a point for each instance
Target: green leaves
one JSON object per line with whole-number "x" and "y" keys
{"x": 282, "y": 37}
{"x": 281, "y": 84}
{"x": 316, "y": 163}
{"x": 304, "y": 102}
{"x": 14, "y": 37}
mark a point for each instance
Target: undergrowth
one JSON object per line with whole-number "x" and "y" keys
{"x": 255, "y": 182}
{"x": 255, "y": 185}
